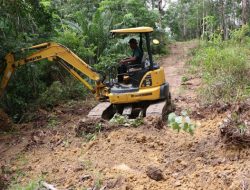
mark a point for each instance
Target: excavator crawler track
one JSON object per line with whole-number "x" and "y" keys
{"x": 102, "y": 110}
{"x": 156, "y": 109}
{"x": 160, "y": 109}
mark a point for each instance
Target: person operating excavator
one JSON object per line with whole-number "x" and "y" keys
{"x": 134, "y": 60}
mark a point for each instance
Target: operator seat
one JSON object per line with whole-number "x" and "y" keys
{"x": 136, "y": 72}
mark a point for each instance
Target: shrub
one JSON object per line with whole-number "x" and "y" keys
{"x": 224, "y": 69}
{"x": 52, "y": 95}
{"x": 182, "y": 122}
{"x": 239, "y": 35}
{"x": 23, "y": 88}
{"x": 58, "y": 92}
{"x": 108, "y": 64}
{"x": 73, "y": 89}
{"x": 224, "y": 74}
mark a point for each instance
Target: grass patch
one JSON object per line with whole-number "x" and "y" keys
{"x": 36, "y": 184}
{"x": 224, "y": 69}
{"x": 32, "y": 185}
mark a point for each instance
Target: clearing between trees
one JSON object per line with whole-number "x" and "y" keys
{"x": 147, "y": 157}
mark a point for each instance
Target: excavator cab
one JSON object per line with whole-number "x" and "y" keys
{"x": 135, "y": 72}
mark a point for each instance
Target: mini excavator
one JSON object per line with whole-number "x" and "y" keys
{"x": 144, "y": 93}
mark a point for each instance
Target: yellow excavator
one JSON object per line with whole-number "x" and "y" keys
{"x": 144, "y": 93}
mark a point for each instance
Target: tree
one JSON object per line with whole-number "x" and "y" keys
{"x": 186, "y": 18}
{"x": 245, "y": 11}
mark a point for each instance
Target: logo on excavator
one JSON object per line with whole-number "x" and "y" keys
{"x": 33, "y": 58}
{"x": 144, "y": 94}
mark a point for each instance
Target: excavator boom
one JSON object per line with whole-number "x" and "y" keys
{"x": 55, "y": 52}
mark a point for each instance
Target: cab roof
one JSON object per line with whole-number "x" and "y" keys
{"x": 132, "y": 30}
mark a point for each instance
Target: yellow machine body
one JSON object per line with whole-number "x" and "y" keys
{"x": 149, "y": 89}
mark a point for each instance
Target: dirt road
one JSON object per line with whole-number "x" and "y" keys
{"x": 174, "y": 65}
{"x": 121, "y": 158}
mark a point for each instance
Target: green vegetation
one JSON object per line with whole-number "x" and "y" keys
{"x": 53, "y": 121}
{"x": 31, "y": 186}
{"x": 224, "y": 67}
{"x": 92, "y": 136}
{"x": 184, "y": 79}
{"x": 182, "y": 122}
{"x": 124, "y": 120}
{"x": 201, "y": 19}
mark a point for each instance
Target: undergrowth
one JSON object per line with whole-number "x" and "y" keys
{"x": 181, "y": 122}
{"x": 224, "y": 67}
{"x": 32, "y": 185}
{"x": 124, "y": 120}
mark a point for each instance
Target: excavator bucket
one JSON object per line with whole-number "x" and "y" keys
{"x": 7, "y": 70}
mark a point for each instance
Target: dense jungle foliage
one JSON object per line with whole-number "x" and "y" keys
{"x": 83, "y": 26}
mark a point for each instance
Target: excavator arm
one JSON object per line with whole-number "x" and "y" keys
{"x": 55, "y": 52}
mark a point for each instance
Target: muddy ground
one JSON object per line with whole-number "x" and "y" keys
{"x": 124, "y": 158}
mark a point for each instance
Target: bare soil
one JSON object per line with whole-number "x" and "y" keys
{"x": 124, "y": 158}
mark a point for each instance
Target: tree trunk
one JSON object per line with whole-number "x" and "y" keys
{"x": 161, "y": 11}
{"x": 203, "y": 16}
{"x": 161, "y": 6}
{"x": 184, "y": 28}
{"x": 197, "y": 21}
{"x": 245, "y": 11}
{"x": 223, "y": 19}
{"x": 184, "y": 24}
{"x": 153, "y": 4}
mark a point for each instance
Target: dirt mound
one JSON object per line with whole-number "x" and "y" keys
{"x": 90, "y": 126}
{"x": 5, "y": 121}
{"x": 154, "y": 121}
{"x": 235, "y": 133}
{"x": 235, "y": 128}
